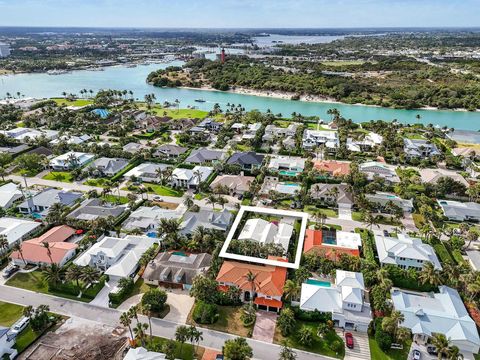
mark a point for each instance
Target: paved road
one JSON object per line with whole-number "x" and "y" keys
{"x": 81, "y": 187}
{"x": 212, "y": 339}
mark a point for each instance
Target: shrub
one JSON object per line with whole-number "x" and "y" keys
{"x": 383, "y": 339}
{"x": 286, "y": 321}
{"x": 336, "y": 346}
{"x": 156, "y": 298}
{"x": 205, "y": 313}
{"x": 311, "y": 316}
{"x": 116, "y": 298}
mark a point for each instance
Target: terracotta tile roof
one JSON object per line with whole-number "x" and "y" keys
{"x": 313, "y": 243}
{"x": 269, "y": 281}
{"x": 335, "y": 168}
{"x": 34, "y": 251}
{"x": 268, "y": 302}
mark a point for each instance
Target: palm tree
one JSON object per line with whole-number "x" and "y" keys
{"x": 430, "y": 275}
{"x": 89, "y": 275}
{"x": 3, "y": 243}
{"x": 188, "y": 201}
{"x": 27, "y": 311}
{"x": 147, "y": 308}
{"x": 211, "y": 199}
{"x": 441, "y": 342}
{"x": 454, "y": 353}
{"x": 251, "y": 278}
{"x": 18, "y": 247}
{"x": 181, "y": 335}
{"x": 3, "y": 173}
{"x": 291, "y": 290}
{"x": 46, "y": 245}
{"x": 383, "y": 279}
{"x": 125, "y": 320}
{"x": 74, "y": 273}
{"x": 139, "y": 331}
{"x": 133, "y": 312}
{"x": 53, "y": 274}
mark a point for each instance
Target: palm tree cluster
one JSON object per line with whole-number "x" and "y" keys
{"x": 82, "y": 277}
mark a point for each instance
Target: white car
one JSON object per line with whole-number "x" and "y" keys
{"x": 416, "y": 355}
{"x": 20, "y": 325}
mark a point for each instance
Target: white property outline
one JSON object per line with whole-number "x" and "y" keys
{"x": 298, "y": 255}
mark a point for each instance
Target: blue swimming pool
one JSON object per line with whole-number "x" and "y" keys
{"x": 318, "y": 282}
{"x": 152, "y": 234}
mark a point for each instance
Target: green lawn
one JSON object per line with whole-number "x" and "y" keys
{"x": 78, "y": 102}
{"x": 184, "y": 352}
{"x": 100, "y": 182}
{"x": 162, "y": 190}
{"x": 180, "y": 113}
{"x": 115, "y": 199}
{"x": 319, "y": 345}
{"x": 63, "y": 176}
{"x": 35, "y": 281}
{"x": 9, "y": 313}
{"x": 328, "y": 212}
{"x": 377, "y": 354}
{"x": 229, "y": 321}
{"x": 357, "y": 216}
{"x": 25, "y": 339}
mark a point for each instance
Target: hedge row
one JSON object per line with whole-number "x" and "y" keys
{"x": 116, "y": 298}
{"x": 126, "y": 169}
{"x": 368, "y": 244}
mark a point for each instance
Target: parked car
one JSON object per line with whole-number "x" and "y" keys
{"x": 385, "y": 233}
{"x": 349, "y": 340}
{"x": 219, "y": 357}
{"x": 416, "y": 355}
{"x": 20, "y": 325}
{"x": 432, "y": 350}
{"x": 10, "y": 270}
{"x": 157, "y": 198}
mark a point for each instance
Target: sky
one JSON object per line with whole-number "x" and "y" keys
{"x": 241, "y": 13}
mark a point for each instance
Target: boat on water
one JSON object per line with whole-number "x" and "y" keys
{"x": 131, "y": 65}
{"x": 200, "y": 100}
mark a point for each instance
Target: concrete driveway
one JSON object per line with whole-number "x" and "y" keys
{"x": 102, "y": 297}
{"x": 361, "y": 347}
{"x": 180, "y": 305}
{"x": 264, "y": 329}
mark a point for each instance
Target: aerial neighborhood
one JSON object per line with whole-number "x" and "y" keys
{"x": 138, "y": 228}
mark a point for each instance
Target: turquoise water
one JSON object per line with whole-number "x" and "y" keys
{"x": 287, "y": 173}
{"x": 318, "y": 282}
{"x": 179, "y": 253}
{"x": 120, "y": 78}
{"x": 152, "y": 235}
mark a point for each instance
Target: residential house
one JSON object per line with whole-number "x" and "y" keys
{"x": 314, "y": 138}
{"x": 23, "y": 135}
{"x": 379, "y": 169}
{"x": 381, "y": 201}
{"x": 42, "y": 151}
{"x": 474, "y": 259}
{"x": 9, "y": 193}
{"x": 266, "y": 232}
{"x": 273, "y": 132}
{"x": 16, "y": 229}
{"x": 333, "y": 195}
{"x": 287, "y": 165}
{"x": 426, "y": 314}
{"x": 117, "y": 257}
{"x": 460, "y": 211}
{"x": 147, "y": 172}
{"x": 205, "y": 156}
{"x": 267, "y": 290}
{"x": 209, "y": 219}
{"x": 140, "y": 353}
{"x": 170, "y": 151}
{"x": 370, "y": 141}
{"x": 248, "y": 161}
{"x": 108, "y": 166}
{"x": 92, "y": 209}
{"x": 13, "y": 150}
{"x": 40, "y": 203}
{"x": 190, "y": 178}
{"x": 7, "y": 343}
{"x": 59, "y": 250}
{"x": 236, "y": 184}
{"x": 210, "y": 124}
{"x": 70, "y": 160}
{"x": 345, "y": 298}
{"x": 419, "y": 149}
{"x": 405, "y": 252}
{"x": 465, "y": 152}
{"x": 147, "y": 219}
{"x": 176, "y": 269}
{"x": 332, "y": 167}
{"x": 71, "y": 139}
{"x": 332, "y": 243}
{"x": 152, "y": 123}
{"x": 251, "y": 131}
{"x": 272, "y": 183}
{"x": 431, "y": 176}
{"x": 133, "y": 148}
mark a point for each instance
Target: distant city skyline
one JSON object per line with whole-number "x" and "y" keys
{"x": 241, "y": 13}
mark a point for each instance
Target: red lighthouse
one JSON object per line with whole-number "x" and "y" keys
{"x": 222, "y": 55}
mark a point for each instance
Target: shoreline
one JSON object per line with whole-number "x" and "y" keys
{"x": 282, "y": 95}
